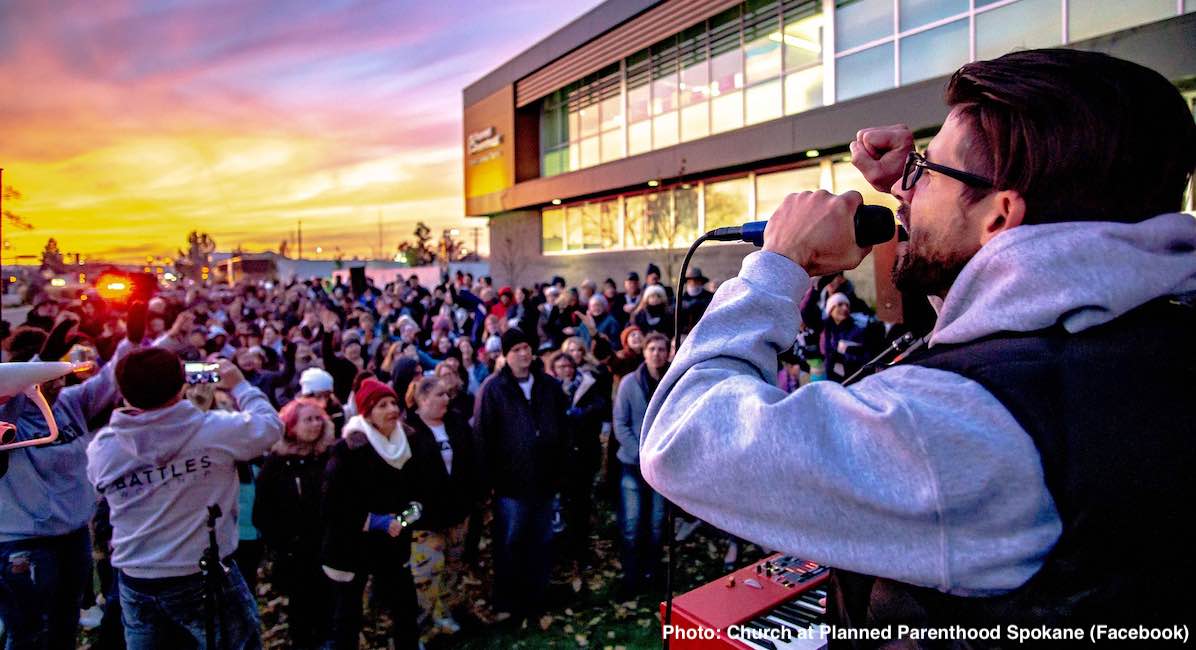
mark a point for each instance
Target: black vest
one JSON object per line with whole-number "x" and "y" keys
{"x": 1111, "y": 412}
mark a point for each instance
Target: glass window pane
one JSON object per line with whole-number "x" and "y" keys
{"x": 573, "y": 228}
{"x": 727, "y": 202}
{"x": 639, "y": 103}
{"x": 550, "y": 128}
{"x": 1088, "y": 18}
{"x": 764, "y": 102}
{"x": 658, "y": 215}
{"x": 552, "y": 163}
{"x": 864, "y": 72}
{"x": 726, "y": 71}
{"x": 685, "y": 205}
{"x": 608, "y": 224}
{"x": 574, "y": 125}
{"x": 552, "y": 226}
{"x": 1027, "y": 24}
{"x": 612, "y": 145}
{"x": 726, "y": 55}
{"x": 762, "y": 40}
{"x": 694, "y": 88}
{"x": 803, "y": 35}
{"x": 633, "y": 221}
{"x": 771, "y": 189}
{"x": 861, "y": 21}
{"x": 639, "y": 92}
{"x": 695, "y": 68}
{"x": 588, "y": 117}
{"x": 664, "y": 130}
{"x": 915, "y": 13}
{"x": 803, "y": 90}
{"x": 639, "y": 138}
{"x": 612, "y": 112}
{"x": 934, "y": 52}
{"x": 574, "y": 155}
{"x": 695, "y": 122}
{"x": 591, "y": 226}
{"x": 1190, "y": 6}
{"x": 589, "y": 152}
{"x": 664, "y": 76}
{"x": 726, "y": 112}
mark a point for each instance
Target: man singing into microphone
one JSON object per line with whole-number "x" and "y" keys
{"x": 1032, "y": 464}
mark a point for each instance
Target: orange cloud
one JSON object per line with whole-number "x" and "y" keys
{"x": 124, "y": 127}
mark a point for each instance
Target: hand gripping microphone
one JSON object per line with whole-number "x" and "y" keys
{"x": 874, "y": 225}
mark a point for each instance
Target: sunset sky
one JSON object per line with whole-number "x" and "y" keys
{"x": 126, "y": 124}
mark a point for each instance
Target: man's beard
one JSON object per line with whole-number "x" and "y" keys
{"x": 925, "y": 274}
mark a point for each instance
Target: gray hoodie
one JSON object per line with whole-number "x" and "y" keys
{"x": 913, "y": 474}
{"x": 161, "y": 469}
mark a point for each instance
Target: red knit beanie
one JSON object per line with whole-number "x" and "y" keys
{"x": 369, "y": 394}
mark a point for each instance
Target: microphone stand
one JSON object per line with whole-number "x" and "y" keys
{"x": 214, "y": 572}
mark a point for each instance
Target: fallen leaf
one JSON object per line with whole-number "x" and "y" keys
{"x": 643, "y": 622}
{"x": 594, "y": 621}
{"x": 568, "y": 629}
{"x": 576, "y": 585}
{"x": 581, "y": 640}
{"x": 610, "y": 635}
{"x": 545, "y": 622}
{"x": 568, "y": 611}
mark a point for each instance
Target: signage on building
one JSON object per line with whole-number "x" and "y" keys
{"x": 487, "y": 138}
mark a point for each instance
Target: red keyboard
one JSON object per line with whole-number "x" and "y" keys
{"x": 775, "y": 604}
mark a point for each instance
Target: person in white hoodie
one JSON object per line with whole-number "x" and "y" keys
{"x": 160, "y": 463}
{"x": 1031, "y": 465}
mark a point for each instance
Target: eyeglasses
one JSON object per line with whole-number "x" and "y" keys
{"x": 915, "y": 163}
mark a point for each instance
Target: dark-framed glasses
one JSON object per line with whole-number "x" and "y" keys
{"x": 916, "y": 163}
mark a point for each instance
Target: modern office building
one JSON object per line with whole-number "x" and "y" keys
{"x": 618, "y": 139}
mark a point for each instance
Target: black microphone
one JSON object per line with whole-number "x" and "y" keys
{"x": 874, "y": 224}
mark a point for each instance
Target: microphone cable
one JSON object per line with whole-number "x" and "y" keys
{"x": 669, "y": 508}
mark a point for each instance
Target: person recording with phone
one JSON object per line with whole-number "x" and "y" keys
{"x": 159, "y": 463}
{"x": 46, "y": 500}
{"x": 991, "y": 475}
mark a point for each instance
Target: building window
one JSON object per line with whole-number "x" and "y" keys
{"x": 728, "y": 202}
{"x": 934, "y": 52}
{"x": 771, "y": 189}
{"x": 634, "y": 209}
{"x": 864, "y": 72}
{"x": 726, "y": 72}
{"x": 916, "y": 13}
{"x": 574, "y": 229}
{"x": 802, "y": 39}
{"x": 1088, "y": 18}
{"x": 761, "y": 59}
{"x": 639, "y": 103}
{"x": 858, "y": 22}
{"x": 552, "y": 225}
{"x": 695, "y": 84}
{"x": 1026, "y": 24}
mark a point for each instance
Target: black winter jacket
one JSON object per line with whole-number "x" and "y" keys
{"x": 449, "y": 498}
{"x": 523, "y": 447}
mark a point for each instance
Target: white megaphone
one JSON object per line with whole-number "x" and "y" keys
{"x": 25, "y": 378}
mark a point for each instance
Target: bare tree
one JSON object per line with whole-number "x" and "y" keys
{"x": 15, "y": 220}
{"x": 511, "y": 256}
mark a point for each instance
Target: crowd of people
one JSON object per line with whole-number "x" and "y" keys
{"x": 360, "y": 441}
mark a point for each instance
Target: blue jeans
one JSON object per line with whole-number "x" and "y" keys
{"x": 522, "y": 553}
{"x": 169, "y": 612}
{"x": 641, "y": 519}
{"x": 41, "y": 586}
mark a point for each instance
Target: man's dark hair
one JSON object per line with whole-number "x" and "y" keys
{"x": 25, "y": 342}
{"x": 654, "y": 337}
{"x": 149, "y": 377}
{"x": 1080, "y": 135}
